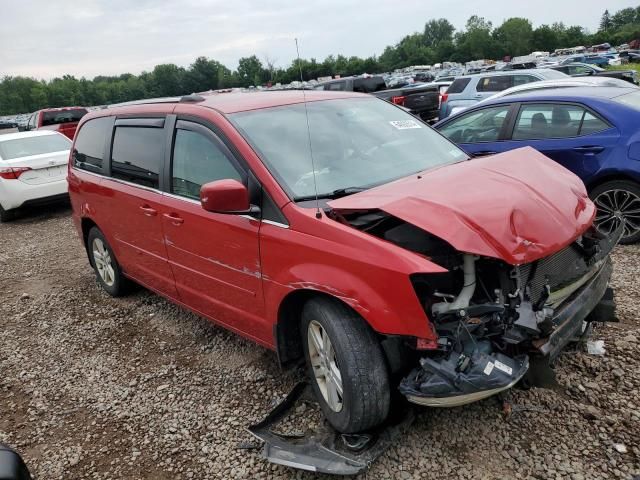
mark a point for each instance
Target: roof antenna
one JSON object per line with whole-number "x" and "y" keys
{"x": 306, "y": 112}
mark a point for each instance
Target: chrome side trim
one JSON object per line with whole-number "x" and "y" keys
{"x": 80, "y": 170}
{"x": 136, "y": 185}
{"x": 275, "y": 224}
{"x": 179, "y": 197}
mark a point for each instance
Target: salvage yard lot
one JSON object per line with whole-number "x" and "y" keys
{"x": 97, "y": 387}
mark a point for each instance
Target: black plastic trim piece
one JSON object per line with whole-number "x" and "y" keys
{"x": 140, "y": 122}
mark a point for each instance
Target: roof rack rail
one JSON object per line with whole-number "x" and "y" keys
{"x": 146, "y": 101}
{"x": 194, "y": 97}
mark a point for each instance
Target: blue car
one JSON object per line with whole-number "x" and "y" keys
{"x": 599, "y": 60}
{"x": 592, "y": 131}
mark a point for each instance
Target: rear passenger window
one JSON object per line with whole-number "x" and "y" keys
{"x": 90, "y": 140}
{"x": 458, "y": 85}
{"x": 137, "y": 155}
{"x": 197, "y": 160}
{"x": 548, "y": 121}
{"x": 497, "y": 83}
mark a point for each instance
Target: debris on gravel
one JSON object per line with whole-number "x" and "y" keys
{"x": 93, "y": 387}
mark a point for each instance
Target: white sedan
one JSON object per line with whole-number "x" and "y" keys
{"x": 33, "y": 169}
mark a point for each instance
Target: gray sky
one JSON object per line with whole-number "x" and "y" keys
{"x": 45, "y": 38}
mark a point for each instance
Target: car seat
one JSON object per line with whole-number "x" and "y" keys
{"x": 539, "y": 125}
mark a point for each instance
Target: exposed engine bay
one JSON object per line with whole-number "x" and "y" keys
{"x": 490, "y": 316}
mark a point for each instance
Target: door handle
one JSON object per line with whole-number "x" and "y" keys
{"x": 589, "y": 149}
{"x": 148, "y": 211}
{"x": 174, "y": 218}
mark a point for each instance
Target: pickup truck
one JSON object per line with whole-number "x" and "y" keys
{"x": 64, "y": 120}
{"x": 421, "y": 100}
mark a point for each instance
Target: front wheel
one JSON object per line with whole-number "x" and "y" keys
{"x": 618, "y": 201}
{"x": 346, "y": 365}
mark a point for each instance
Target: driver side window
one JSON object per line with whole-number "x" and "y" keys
{"x": 198, "y": 160}
{"x": 478, "y": 126}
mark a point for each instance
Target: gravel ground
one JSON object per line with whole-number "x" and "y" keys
{"x": 102, "y": 388}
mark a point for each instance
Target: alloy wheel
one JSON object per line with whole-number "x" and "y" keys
{"x": 614, "y": 207}
{"x": 103, "y": 262}
{"x": 325, "y": 366}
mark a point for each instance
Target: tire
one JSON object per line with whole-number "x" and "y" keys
{"x": 613, "y": 199}
{"x": 104, "y": 263}
{"x": 357, "y": 356}
{"x": 7, "y": 215}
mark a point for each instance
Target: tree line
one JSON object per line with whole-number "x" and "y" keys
{"x": 439, "y": 41}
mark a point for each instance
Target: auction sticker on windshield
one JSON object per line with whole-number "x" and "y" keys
{"x": 405, "y": 124}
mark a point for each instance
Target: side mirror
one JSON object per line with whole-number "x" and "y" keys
{"x": 12, "y": 467}
{"x": 226, "y": 196}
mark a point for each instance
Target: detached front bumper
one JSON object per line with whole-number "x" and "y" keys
{"x": 568, "y": 318}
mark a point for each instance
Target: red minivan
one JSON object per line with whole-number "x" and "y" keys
{"x": 337, "y": 228}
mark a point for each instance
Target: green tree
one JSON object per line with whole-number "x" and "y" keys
{"x": 437, "y": 32}
{"x": 574, "y": 36}
{"x": 625, "y": 16}
{"x": 545, "y": 39}
{"x": 514, "y": 37}
{"x": 605, "y": 21}
{"x": 166, "y": 80}
{"x": 476, "y": 42}
{"x": 251, "y": 72}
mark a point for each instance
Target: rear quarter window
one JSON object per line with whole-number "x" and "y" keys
{"x": 458, "y": 85}
{"x": 497, "y": 83}
{"x": 88, "y": 151}
{"x": 62, "y": 116}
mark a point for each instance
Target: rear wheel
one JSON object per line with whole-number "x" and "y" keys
{"x": 7, "y": 215}
{"x": 618, "y": 201}
{"x": 108, "y": 271}
{"x": 346, "y": 365}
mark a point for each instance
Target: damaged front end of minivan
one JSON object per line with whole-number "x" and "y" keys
{"x": 491, "y": 316}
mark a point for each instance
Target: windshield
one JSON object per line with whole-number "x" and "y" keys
{"x": 356, "y": 142}
{"x": 25, "y": 147}
{"x": 63, "y": 116}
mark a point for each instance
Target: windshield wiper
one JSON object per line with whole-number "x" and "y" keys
{"x": 343, "y": 192}
{"x": 340, "y": 192}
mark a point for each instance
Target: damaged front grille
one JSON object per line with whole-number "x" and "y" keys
{"x": 555, "y": 272}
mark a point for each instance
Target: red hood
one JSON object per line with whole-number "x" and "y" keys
{"x": 518, "y": 206}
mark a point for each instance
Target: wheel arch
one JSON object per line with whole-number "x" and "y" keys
{"x": 610, "y": 177}
{"x": 86, "y": 224}
{"x": 287, "y": 335}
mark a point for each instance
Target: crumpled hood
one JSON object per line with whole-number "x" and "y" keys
{"x": 517, "y": 206}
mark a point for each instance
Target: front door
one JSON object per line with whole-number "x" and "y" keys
{"x": 215, "y": 257}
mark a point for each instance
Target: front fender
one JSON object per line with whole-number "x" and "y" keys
{"x": 371, "y": 280}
